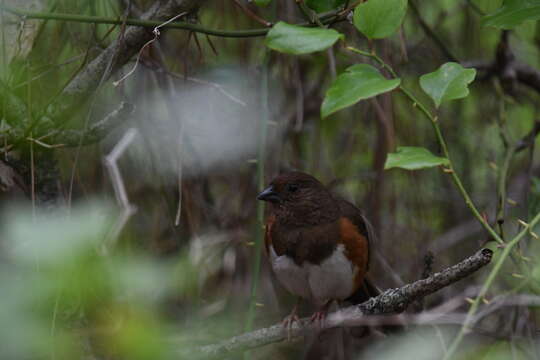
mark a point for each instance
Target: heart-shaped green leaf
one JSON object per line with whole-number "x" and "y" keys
{"x": 413, "y": 158}
{"x": 377, "y": 19}
{"x": 358, "y": 82}
{"x": 449, "y": 82}
{"x": 293, "y": 39}
{"x": 513, "y": 13}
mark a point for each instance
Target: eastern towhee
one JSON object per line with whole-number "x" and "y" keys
{"x": 317, "y": 243}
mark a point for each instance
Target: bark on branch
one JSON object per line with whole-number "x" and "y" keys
{"x": 389, "y": 302}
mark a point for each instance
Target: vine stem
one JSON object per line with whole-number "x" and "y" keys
{"x": 259, "y": 233}
{"x": 323, "y": 18}
{"x": 506, "y": 246}
{"x": 490, "y": 279}
{"x": 442, "y": 143}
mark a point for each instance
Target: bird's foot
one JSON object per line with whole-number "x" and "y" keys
{"x": 318, "y": 317}
{"x": 289, "y": 321}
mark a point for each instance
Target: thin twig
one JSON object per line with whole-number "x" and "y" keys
{"x": 506, "y": 301}
{"x": 33, "y": 179}
{"x": 528, "y": 140}
{"x": 261, "y": 157}
{"x": 431, "y": 34}
{"x": 217, "y": 86}
{"x": 503, "y": 169}
{"x": 252, "y": 14}
{"x": 156, "y": 33}
{"x": 111, "y": 162}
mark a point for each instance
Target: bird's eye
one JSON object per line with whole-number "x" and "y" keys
{"x": 292, "y": 187}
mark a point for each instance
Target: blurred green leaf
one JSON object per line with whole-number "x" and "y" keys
{"x": 513, "y": 13}
{"x": 449, "y": 82}
{"x": 358, "y": 82}
{"x": 324, "y": 5}
{"x": 413, "y": 158}
{"x": 296, "y": 40}
{"x": 500, "y": 350}
{"x": 377, "y": 19}
{"x": 135, "y": 334}
{"x": 262, "y": 2}
{"x": 52, "y": 239}
{"x": 148, "y": 281}
{"x": 56, "y": 280}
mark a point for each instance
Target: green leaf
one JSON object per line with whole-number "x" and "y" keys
{"x": 324, "y": 5}
{"x": 293, "y": 39}
{"x": 449, "y": 82}
{"x": 357, "y": 83}
{"x": 513, "y": 13}
{"x": 413, "y": 158}
{"x": 377, "y": 19}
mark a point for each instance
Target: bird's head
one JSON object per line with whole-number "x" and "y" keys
{"x": 296, "y": 193}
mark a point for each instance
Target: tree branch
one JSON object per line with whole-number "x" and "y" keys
{"x": 389, "y": 302}
{"x": 98, "y": 130}
{"x": 510, "y": 70}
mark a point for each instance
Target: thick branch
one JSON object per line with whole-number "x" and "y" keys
{"x": 528, "y": 76}
{"x": 529, "y": 139}
{"x": 117, "y": 55}
{"x": 389, "y": 302}
{"x": 509, "y": 70}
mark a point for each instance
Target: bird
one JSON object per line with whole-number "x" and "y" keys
{"x": 318, "y": 243}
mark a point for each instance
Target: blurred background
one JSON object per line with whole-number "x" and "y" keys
{"x": 141, "y": 239}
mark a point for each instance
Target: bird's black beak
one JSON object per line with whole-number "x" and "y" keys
{"x": 270, "y": 195}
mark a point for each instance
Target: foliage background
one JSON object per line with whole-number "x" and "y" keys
{"x": 182, "y": 284}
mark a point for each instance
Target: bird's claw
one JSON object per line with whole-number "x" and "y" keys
{"x": 318, "y": 317}
{"x": 288, "y": 323}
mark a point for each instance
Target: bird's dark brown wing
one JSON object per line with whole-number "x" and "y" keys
{"x": 356, "y": 236}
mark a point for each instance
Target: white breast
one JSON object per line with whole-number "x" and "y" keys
{"x": 293, "y": 277}
{"x": 332, "y": 279}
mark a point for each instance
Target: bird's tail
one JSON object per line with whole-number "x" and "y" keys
{"x": 365, "y": 292}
